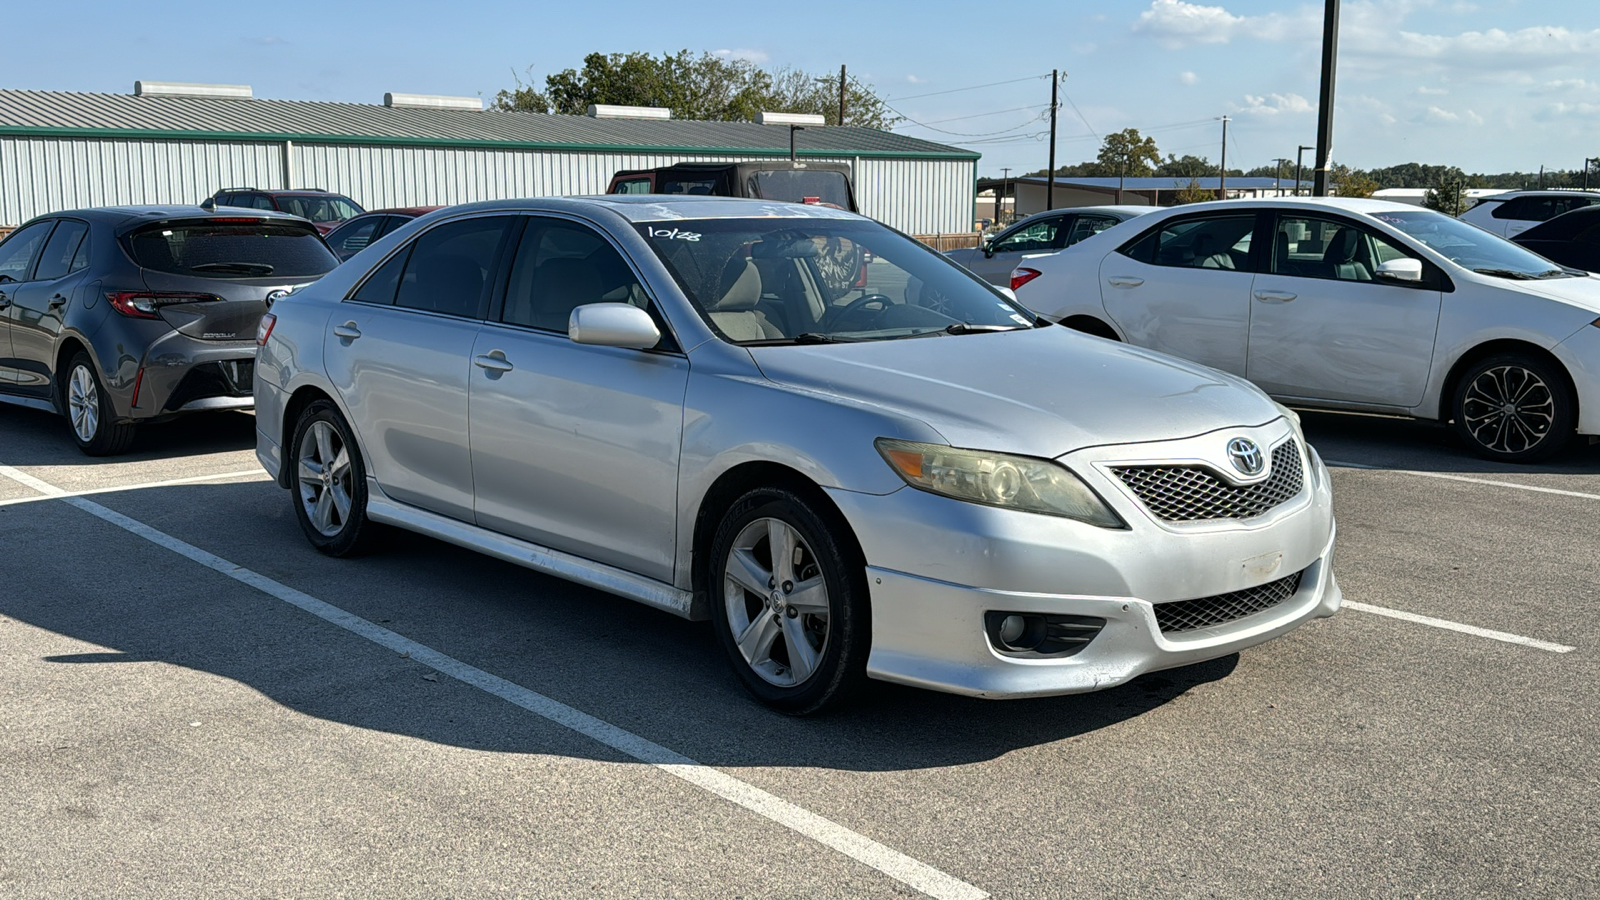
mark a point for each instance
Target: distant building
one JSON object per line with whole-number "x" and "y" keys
{"x": 169, "y": 143}
{"x": 1414, "y": 196}
{"x": 1078, "y": 191}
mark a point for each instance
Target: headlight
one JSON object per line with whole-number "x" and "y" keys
{"x": 996, "y": 479}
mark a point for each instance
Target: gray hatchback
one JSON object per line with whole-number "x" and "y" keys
{"x": 134, "y": 314}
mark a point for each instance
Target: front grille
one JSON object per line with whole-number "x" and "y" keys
{"x": 1196, "y": 493}
{"x": 1189, "y": 615}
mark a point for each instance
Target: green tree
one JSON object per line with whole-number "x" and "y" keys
{"x": 705, "y": 87}
{"x": 1128, "y": 153}
{"x": 1348, "y": 182}
{"x": 1192, "y": 193}
{"x": 1186, "y": 166}
{"x": 1448, "y": 197}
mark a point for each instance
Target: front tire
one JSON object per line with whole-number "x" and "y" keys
{"x": 1514, "y": 408}
{"x": 89, "y": 410}
{"x": 329, "y": 482}
{"x": 789, "y": 601}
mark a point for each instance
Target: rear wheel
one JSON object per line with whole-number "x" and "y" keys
{"x": 90, "y": 412}
{"x": 328, "y": 482}
{"x": 1514, "y": 408}
{"x": 789, "y": 602}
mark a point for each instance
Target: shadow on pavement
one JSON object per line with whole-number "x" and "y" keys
{"x": 35, "y": 437}
{"x": 654, "y": 674}
{"x": 1393, "y": 443}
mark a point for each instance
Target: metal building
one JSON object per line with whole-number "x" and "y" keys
{"x": 63, "y": 150}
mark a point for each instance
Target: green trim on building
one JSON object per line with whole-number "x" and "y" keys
{"x": 448, "y": 143}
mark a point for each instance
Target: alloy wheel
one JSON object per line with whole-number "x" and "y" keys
{"x": 777, "y": 602}
{"x": 83, "y": 404}
{"x": 323, "y": 473}
{"x": 1508, "y": 409}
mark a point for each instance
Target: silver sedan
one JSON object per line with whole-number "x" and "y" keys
{"x": 823, "y": 437}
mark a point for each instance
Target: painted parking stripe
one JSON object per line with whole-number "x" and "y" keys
{"x": 1448, "y": 625}
{"x": 242, "y": 477}
{"x": 1467, "y": 478}
{"x": 896, "y": 865}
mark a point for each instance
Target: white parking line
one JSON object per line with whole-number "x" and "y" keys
{"x": 892, "y": 863}
{"x": 1448, "y": 625}
{"x": 1467, "y": 478}
{"x": 245, "y": 476}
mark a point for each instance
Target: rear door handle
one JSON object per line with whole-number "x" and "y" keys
{"x": 1124, "y": 281}
{"x": 348, "y": 331}
{"x": 58, "y": 301}
{"x": 1274, "y": 296}
{"x": 494, "y": 361}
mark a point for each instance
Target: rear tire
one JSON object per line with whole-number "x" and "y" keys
{"x": 1514, "y": 408}
{"x": 795, "y": 623}
{"x": 328, "y": 482}
{"x": 90, "y": 414}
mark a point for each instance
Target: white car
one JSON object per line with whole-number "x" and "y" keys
{"x": 1055, "y": 229}
{"x": 1516, "y": 211}
{"x": 1348, "y": 304}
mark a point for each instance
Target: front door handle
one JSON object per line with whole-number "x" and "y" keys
{"x": 1275, "y": 296}
{"x": 348, "y": 331}
{"x": 494, "y": 361}
{"x": 1124, "y": 281}
{"x": 58, "y": 301}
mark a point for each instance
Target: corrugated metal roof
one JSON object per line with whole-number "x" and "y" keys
{"x": 1162, "y": 183}
{"x": 124, "y": 115}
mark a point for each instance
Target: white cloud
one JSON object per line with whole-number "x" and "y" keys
{"x": 912, "y": 79}
{"x": 1440, "y": 116}
{"x": 1431, "y": 91}
{"x": 749, "y": 56}
{"x": 1177, "y": 23}
{"x": 1273, "y": 104}
{"x": 1188, "y": 78}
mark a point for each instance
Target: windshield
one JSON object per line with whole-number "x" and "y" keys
{"x": 215, "y": 249}
{"x": 776, "y": 280}
{"x": 1470, "y": 246}
{"x": 318, "y": 209}
{"x": 801, "y": 186}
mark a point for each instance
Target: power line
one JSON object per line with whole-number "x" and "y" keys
{"x": 960, "y": 89}
{"x": 961, "y": 134}
{"x": 1080, "y": 114}
{"x": 982, "y": 114}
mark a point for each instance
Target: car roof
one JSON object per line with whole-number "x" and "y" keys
{"x": 1512, "y": 195}
{"x": 1360, "y": 205}
{"x": 665, "y": 207}
{"x": 124, "y": 215}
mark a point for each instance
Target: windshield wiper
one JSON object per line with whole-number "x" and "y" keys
{"x": 1507, "y": 273}
{"x": 247, "y": 268}
{"x": 809, "y": 337}
{"x": 970, "y": 328}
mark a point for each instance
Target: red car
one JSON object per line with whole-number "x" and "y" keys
{"x": 353, "y": 235}
{"x": 325, "y": 210}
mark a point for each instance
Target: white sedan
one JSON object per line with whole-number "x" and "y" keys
{"x": 1347, "y": 304}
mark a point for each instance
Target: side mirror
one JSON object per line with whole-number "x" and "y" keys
{"x": 613, "y": 325}
{"x": 1404, "y": 270}
{"x": 1008, "y": 292}
{"x": 208, "y": 203}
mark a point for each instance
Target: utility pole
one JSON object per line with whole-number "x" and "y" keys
{"x": 1005, "y": 178}
{"x": 1050, "y": 185}
{"x": 1330, "y": 56}
{"x": 841, "y": 94}
{"x": 1222, "y": 183}
{"x": 1587, "y": 162}
{"x": 1541, "y": 177}
{"x": 1302, "y": 148}
{"x": 1281, "y": 163}
{"x": 1122, "y": 175}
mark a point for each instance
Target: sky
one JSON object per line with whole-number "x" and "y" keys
{"x": 1487, "y": 85}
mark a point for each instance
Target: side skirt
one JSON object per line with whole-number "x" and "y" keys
{"x": 523, "y": 553}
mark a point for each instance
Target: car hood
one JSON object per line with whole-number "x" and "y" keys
{"x": 1582, "y": 292}
{"x": 1041, "y": 392}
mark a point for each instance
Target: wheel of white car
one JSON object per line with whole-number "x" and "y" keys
{"x": 789, "y": 601}
{"x": 1513, "y": 408}
{"x": 328, "y": 481}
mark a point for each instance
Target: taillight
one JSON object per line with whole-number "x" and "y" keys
{"x": 144, "y": 304}
{"x": 1022, "y": 275}
{"x": 264, "y": 330}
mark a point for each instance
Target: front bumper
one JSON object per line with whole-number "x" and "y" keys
{"x": 936, "y": 565}
{"x": 1580, "y": 353}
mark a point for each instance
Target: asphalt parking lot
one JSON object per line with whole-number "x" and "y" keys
{"x": 193, "y": 701}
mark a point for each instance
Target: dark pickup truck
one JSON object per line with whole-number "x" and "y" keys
{"x": 825, "y": 183}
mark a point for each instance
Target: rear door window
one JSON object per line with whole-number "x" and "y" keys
{"x": 632, "y": 186}
{"x": 60, "y": 250}
{"x": 1218, "y": 242}
{"x": 1087, "y": 226}
{"x": 18, "y": 251}
{"x": 452, "y": 267}
{"x": 1031, "y": 238}
{"x": 355, "y": 237}
{"x": 219, "y": 248}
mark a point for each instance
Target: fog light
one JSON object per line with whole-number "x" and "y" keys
{"x": 1036, "y": 635}
{"x": 1011, "y": 628}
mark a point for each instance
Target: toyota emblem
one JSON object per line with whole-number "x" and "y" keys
{"x": 1246, "y": 456}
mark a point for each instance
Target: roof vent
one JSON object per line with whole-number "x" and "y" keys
{"x": 431, "y": 101}
{"x": 607, "y": 111}
{"x": 773, "y": 118}
{"x": 190, "y": 89}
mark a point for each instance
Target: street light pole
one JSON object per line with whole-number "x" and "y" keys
{"x": 1587, "y": 162}
{"x": 1005, "y": 178}
{"x": 1297, "y": 155}
{"x": 1278, "y": 181}
{"x": 1330, "y": 56}
{"x": 1222, "y": 183}
{"x": 792, "y": 130}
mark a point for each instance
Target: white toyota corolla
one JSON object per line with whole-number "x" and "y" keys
{"x": 1348, "y": 304}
